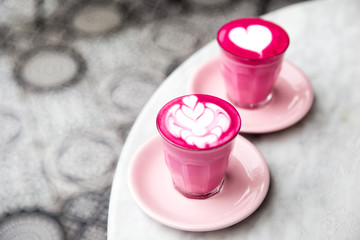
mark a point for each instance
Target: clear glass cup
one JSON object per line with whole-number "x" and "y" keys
{"x": 252, "y": 53}
{"x": 197, "y": 159}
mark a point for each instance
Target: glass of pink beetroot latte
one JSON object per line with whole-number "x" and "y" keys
{"x": 252, "y": 51}
{"x": 198, "y": 133}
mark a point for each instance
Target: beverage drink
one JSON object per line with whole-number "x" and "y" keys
{"x": 252, "y": 51}
{"x": 198, "y": 134}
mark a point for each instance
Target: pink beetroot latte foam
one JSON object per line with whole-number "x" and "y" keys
{"x": 253, "y": 38}
{"x": 198, "y": 136}
{"x": 252, "y": 51}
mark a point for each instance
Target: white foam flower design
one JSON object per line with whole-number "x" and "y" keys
{"x": 198, "y": 124}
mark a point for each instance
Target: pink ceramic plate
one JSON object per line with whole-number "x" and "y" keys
{"x": 245, "y": 187}
{"x": 292, "y": 97}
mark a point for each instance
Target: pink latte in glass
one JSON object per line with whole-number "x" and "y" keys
{"x": 198, "y": 134}
{"x": 252, "y": 51}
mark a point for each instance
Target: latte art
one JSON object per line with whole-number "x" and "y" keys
{"x": 197, "y": 123}
{"x": 253, "y": 38}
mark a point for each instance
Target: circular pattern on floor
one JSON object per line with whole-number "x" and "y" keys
{"x": 93, "y": 231}
{"x": 147, "y": 11}
{"x": 31, "y": 226}
{"x": 84, "y": 207}
{"x": 49, "y": 68}
{"x": 131, "y": 89}
{"x": 84, "y": 158}
{"x": 10, "y": 127}
{"x": 175, "y": 37}
{"x": 97, "y": 19}
{"x": 207, "y": 4}
{"x": 83, "y": 161}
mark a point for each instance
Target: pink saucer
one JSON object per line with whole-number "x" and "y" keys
{"x": 292, "y": 97}
{"x": 245, "y": 187}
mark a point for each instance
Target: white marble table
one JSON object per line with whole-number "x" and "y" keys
{"x": 314, "y": 165}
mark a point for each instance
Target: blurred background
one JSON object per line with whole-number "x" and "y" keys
{"x": 74, "y": 75}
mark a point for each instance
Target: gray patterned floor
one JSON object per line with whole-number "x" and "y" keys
{"x": 73, "y": 77}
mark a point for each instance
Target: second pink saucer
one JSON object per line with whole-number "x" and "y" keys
{"x": 245, "y": 187}
{"x": 292, "y": 97}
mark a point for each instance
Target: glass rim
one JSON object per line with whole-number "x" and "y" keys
{"x": 235, "y": 134}
{"x": 253, "y": 59}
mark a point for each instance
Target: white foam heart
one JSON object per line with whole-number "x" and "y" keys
{"x": 255, "y": 38}
{"x": 190, "y": 101}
